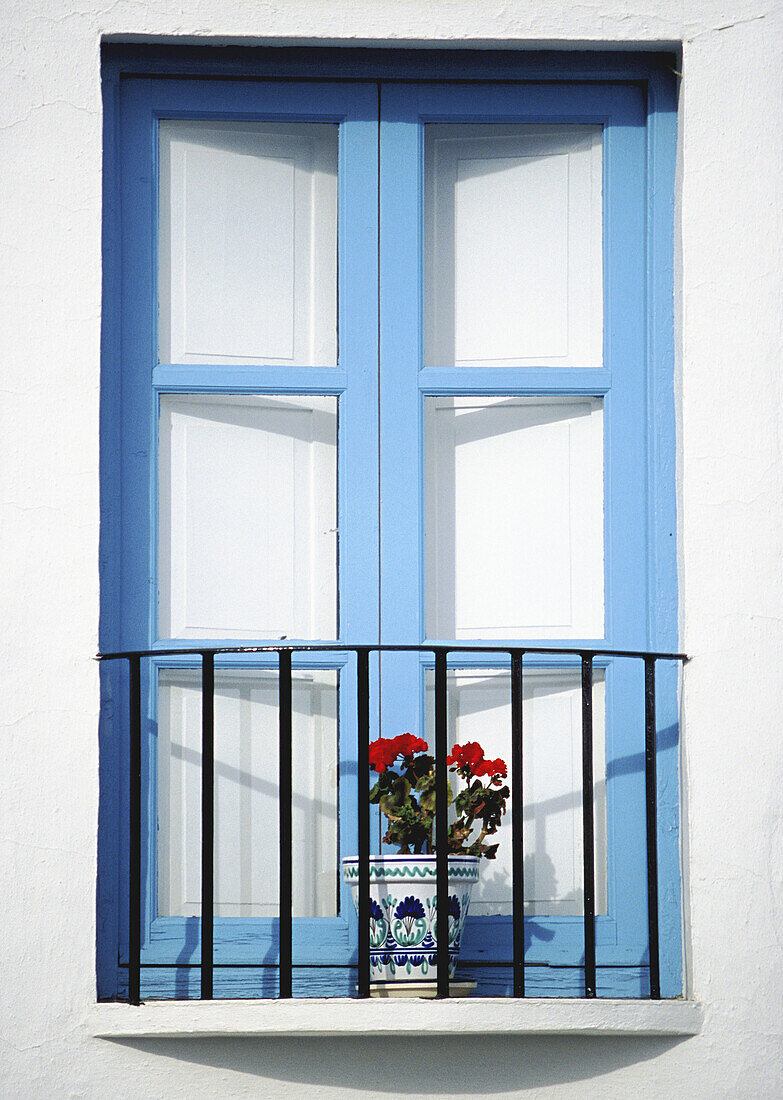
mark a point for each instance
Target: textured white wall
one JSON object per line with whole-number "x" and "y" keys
{"x": 731, "y": 543}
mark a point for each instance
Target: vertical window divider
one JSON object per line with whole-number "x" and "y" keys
{"x": 363, "y": 802}
{"x": 588, "y": 830}
{"x": 207, "y": 821}
{"x": 134, "y": 838}
{"x": 285, "y": 837}
{"x": 517, "y": 813}
{"x": 651, "y": 800}
{"x": 441, "y": 822}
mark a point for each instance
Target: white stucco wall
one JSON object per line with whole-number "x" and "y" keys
{"x": 731, "y": 544}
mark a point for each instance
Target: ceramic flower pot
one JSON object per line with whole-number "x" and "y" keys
{"x": 403, "y": 943}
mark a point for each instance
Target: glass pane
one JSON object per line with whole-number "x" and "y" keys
{"x": 248, "y": 243}
{"x": 246, "y": 793}
{"x": 247, "y": 522}
{"x": 513, "y": 267}
{"x": 514, "y": 517}
{"x": 480, "y": 710}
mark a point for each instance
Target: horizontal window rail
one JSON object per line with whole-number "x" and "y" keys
{"x": 441, "y": 654}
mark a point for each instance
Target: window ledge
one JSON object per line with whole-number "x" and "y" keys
{"x": 337, "y": 1016}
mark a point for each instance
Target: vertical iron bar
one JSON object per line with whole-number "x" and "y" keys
{"x": 588, "y": 837}
{"x": 517, "y": 804}
{"x": 285, "y": 833}
{"x": 363, "y": 767}
{"x": 134, "y": 835}
{"x": 207, "y": 821}
{"x": 651, "y": 789}
{"x": 441, "y": 823}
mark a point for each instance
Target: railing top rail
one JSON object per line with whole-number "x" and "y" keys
{"x": 432, "y": 647}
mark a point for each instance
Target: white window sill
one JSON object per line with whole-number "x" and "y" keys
{"x": 337, "y": 1016}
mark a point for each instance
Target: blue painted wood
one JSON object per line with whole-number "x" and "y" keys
{"x": 261, "y": 982}
{"x": 401, "y": 443}
{"x": 242, "y": 940}
{"x": 173, "y": 378}
{"x": 240, "y": 983}
{"x": 110, "y": 768}
{"x": 662, "y": 508}
{"x": 636, "y": 383}
{"x": 366, "y": 63}
{"x": 626, "y": 445}
{"x": 545, "y": 981}
{"x": 524, "y": 381}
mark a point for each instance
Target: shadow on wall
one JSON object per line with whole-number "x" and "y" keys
{"x": 481, "y": 1065}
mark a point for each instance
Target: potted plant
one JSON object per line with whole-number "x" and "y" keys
{"x": 403, "y": 894}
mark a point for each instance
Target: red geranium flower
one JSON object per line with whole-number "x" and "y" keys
{"x": 385, "y": 750}
{"x": 470, "y": 758}
{"x": 383, "y": 753}
{"x": 495, "y": 768}
{"x": 466, "y": 756}
{"x": 407, "y": 744}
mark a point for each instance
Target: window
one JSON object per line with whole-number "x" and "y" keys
{"x": 387, "y": 370}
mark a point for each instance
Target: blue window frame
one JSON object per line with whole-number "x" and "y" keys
{"x": 381, "y": 384}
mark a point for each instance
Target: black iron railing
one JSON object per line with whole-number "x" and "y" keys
{"x": 362, "y": 652}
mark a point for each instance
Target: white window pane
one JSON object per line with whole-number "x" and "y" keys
{"x": 248, "y": 243}
{"x": 513, "y": 273}
{"x": 480, "y": 710}
{"x": 247, "y": 522}
{"x": 246, "y": 793}
{"x": 514, "y": 517}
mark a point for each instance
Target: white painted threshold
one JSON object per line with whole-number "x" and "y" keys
{"x": 338, "y": 1016}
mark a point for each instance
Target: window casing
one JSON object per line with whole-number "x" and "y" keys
{"x": 388, "y": 378}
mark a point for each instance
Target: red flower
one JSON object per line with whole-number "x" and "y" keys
{"x": 385, "y": 750}
{"x": 407, "y": 744}
{"x": 495, "y": 768}
{"x": 467, "y": 756}
{"x": 470, "y": 757}
{"x": 382, "y": 754}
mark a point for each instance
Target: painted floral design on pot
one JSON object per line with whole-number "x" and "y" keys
{"x": 455, "y": 915}
{"x": 378, "y": 925}
{"x": 410, "y": 925}
{"x": 403, "y": 913}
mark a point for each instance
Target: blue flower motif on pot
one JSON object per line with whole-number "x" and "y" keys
{"x": 410, "y": 925}
{"x": 456, "y": 914}
{"x": 379, "y": 926}
{"x": 418, "y": 964}
{"x": 455, "y": 924}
